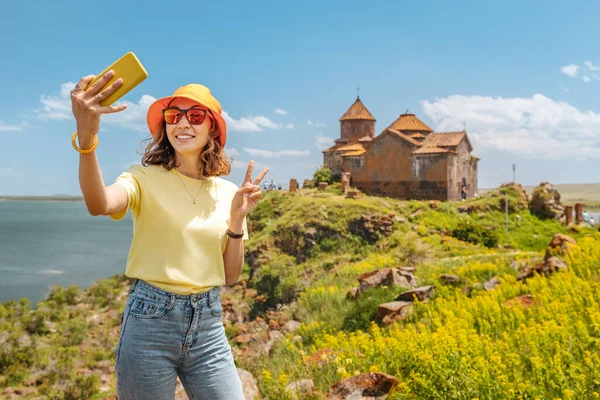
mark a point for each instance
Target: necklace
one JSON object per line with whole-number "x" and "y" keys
{"x": 186, "y": 189}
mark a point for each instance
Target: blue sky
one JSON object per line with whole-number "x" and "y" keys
{"x": 523, "y": 77}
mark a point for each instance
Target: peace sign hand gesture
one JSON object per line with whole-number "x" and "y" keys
{"x": 247, "y": 196}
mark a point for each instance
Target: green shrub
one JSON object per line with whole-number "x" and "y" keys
{"x": 68, "y": 296}
{"x": 74, "y": 331}
{"x": 83, "y": 387}
{"x": 476, "y": 234}
{"x": 322, "y": 175}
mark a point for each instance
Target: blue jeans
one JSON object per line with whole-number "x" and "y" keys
{"x": 165, "y": 335}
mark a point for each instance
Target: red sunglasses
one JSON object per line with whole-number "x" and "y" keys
{"x": 195, "y": 116}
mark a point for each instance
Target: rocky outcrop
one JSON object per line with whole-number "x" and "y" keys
{"x": 363, "y": 386}
{"x": 545, "y": 202}
{"x": 298, "y": 240}
{"x": 399, "y": 277}
{"x": 558, "y": 247}
{"x": 522, "y": 202}
{"x": 371, "y": 227}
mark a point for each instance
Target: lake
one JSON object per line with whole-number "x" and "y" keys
{"x": 45, "y": 243}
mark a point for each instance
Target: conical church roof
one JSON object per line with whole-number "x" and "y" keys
{"x": 357, "y": 111}
{"x": 408, "y": 122}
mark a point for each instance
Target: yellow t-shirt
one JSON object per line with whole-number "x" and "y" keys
{"x": 177, "y": 245}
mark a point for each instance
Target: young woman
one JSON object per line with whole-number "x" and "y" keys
{"x": 189, "y": 227}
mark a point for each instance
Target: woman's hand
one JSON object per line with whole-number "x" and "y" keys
{"x": 247, "y": 196}
{"x": 86, "y": 105}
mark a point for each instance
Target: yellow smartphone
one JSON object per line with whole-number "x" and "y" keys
{"x": 128, "y": 68}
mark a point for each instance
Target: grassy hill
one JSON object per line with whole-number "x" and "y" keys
{"x": 519, "y": 338}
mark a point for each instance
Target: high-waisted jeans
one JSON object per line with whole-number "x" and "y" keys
{"x": 165, "y": 335}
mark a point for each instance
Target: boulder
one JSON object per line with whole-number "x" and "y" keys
{"x": 559, "y": 245}
{"x": 352, "y": 293}
{"x": 291, "y": 326}
{"x": 241, "y": 339}
{"x": 383, "y": 277}
{"x": 372, "y": 384}
{"x": 449, "y": 279}
{"x": 547, "y": 267}
{"x": 491, "y": 284}
{"x": 545, "y": 202}
{"x": 388, "y": 313}
{"x": 422, "y": 293}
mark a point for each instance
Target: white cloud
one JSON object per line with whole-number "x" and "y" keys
{"x": 134, "y": 116}
{"x": 239, "y": 164}
{"x": 591, "y": 66}
{"x": 280, "y": 111}
{"x": 244, "y": 165}
{"x": 13, "y": 128}
{"x": 232, "y": 152}
{"x": 570, "y": 70}
{"x": 323, "y": 142}
{"x": 252, "y": 124}
{"x": 565, "y": 89}
{"x": 317, "y": 124}
{"x": 276, "y": 154}
{"x": 536, "y": 127}
{"x": 57, "y": 107}
{"x": 586, "y": 78}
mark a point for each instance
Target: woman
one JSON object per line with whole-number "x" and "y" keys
{"x": 189, "y": 227}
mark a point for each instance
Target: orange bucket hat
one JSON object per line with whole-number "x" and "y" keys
{"x": 198, "y": 93}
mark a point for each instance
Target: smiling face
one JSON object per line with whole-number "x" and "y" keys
{"x": 188, "y": 139}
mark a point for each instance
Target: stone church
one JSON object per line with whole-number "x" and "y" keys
{"x": 407, "y": 160}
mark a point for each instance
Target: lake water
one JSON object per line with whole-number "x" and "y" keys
{"x": 44, "y": 243}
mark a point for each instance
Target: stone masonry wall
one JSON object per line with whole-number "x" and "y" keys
{"x": 334, "y": 162}
{"x": 355, "y": 129}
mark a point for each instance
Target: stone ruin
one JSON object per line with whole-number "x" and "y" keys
{"x": 293, "y": 185}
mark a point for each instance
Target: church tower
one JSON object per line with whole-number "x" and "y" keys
{"x": 356, "y": 123}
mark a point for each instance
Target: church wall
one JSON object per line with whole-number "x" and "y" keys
{"x": 354, "y": 165}
{"x": 453, "y": 179}
{"x": 466, "y": 172}
{"x": 356, "y": 128}
{"x": 333, "y": 161}
{"x": 386, "y": 170}
{"x": 430, "y": 176}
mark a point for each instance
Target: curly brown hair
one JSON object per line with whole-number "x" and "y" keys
{"x": 213, "y": 160}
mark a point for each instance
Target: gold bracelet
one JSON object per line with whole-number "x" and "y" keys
{"x": 87, "y": 151}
